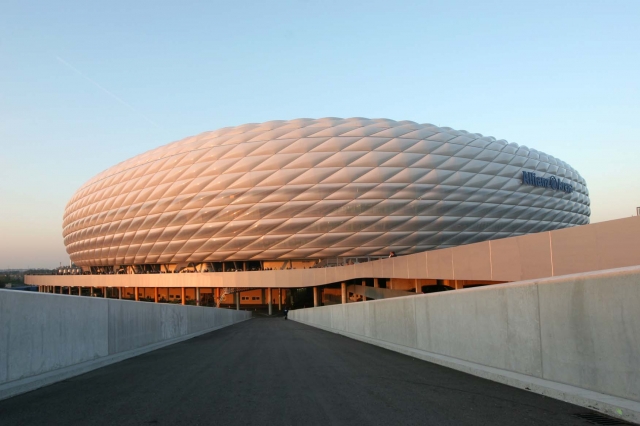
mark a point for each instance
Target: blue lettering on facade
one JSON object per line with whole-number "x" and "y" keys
{"x": 530, "y": 178}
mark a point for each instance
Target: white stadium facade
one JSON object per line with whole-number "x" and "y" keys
{"x": 325, "y": 211}
{"x": 314, "y": 189}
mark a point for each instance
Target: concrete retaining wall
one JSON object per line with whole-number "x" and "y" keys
{"x": 581, "y": 332}
{"x": 48, "y": 337}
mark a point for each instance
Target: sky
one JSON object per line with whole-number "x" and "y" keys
{"x": 85, "y": 85}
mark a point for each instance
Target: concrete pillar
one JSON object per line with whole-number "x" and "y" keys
{"x": 315, "y": 297}
{"x": 155, "y": 294}
{"x": 270, "y": 301}
{"x": 237, "y": 300}
{"x": 375, "y": 283}
{"x": 136, "y": 298}
{"x": 197, "y": 296}
{"x": 104, "y": 292}
{"x": 91, "y": 291}
{"x": 69, "y": 290}
{"x": 343, "y": 287}
{"x": 119, "y": 292}
{"x": 418, "y": 289}
{"x": 182, "y": 296}
{"x": 279, "y": 299}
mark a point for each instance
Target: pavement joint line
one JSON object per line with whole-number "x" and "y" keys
{"x": 613, "y": 406}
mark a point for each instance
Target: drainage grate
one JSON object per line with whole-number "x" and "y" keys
{"x": 599, "y": 419}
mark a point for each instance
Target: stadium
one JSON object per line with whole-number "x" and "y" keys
{"x": 311, "y": 190}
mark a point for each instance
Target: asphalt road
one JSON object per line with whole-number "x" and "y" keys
{"x": 268, "y": 371}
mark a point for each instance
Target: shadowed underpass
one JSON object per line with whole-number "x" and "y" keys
{"x": 270, "y": 371}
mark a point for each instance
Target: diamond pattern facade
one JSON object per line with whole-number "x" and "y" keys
{"x": 315, "y": 189}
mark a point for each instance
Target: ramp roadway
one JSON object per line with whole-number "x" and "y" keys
{"x": 269, "y": 371}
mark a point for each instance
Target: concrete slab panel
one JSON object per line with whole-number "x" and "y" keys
{"x": 591, "y": 332}
{"x": 454, "y": 328}
{"x": 618, "y": 243}
{"x": 524, "y": 354}
{"x": 297, "y": 277}
{"x": 505, "y": 260}
{"x": 535, "y": 255}
{"x": 387, "y": 267}
{"x": 395, "y": 321}
{"x": 338, "y": 317}
{"x": 472, "y": 262}
{"x": 319, "y": 276}
{"x": 376, "y": 266}
{"x": 331, "y": 275}
{"x": 574, "y": 250}
{"x": 355, "y": 318}
{"x": 440, "y": 264}
{"x": 321, "y": 316}
{"x": 417, "y": 265}
{"x": 4, "y": 338}
{"x": 423, "y": 328}
{"x": 49, "y": 331}
{"x": 401, "y": 267}
{"x": 362, "y": 269}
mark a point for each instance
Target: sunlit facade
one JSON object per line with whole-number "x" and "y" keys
{"x": 316, "y": 189}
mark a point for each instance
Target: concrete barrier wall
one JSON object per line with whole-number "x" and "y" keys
{"x": 48, "y": 337}
{"x": 581, "y": 330}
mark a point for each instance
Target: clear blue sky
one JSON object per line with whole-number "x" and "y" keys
{"x": 84, "y": 86}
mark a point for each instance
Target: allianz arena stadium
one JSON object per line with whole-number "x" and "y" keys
{"x": 310, "y": 189}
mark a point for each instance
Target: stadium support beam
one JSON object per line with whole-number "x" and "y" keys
{"x": 237, "y": 295}
{"x": 270, "y": 301}
{"x": 119, "y": 292}
{"x": 343, "y": 287}
{"x": 155, "y": 294}
{"x": 136, "y": 298}
{"x": 315, "y": 297}
{"x": 375, "y": 283}
{"x": 182, "y": 295}
{"x": 418, "y": 289}
{"x": 69, "y": 290}
{"x": 104, "y": 292}
{"x": 279, "y": 299}
{"x": 197, "y": 296}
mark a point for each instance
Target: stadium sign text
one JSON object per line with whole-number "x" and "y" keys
{"x": 530, "y": 178}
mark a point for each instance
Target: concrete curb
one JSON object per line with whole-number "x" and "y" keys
{"x": 613, "y": 406}
{"x": 20, "y": 386}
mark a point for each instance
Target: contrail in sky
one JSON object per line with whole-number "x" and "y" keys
{"x": 67, "y": 64}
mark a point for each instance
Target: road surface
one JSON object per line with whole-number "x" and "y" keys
{"x": 268, "y": 371}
